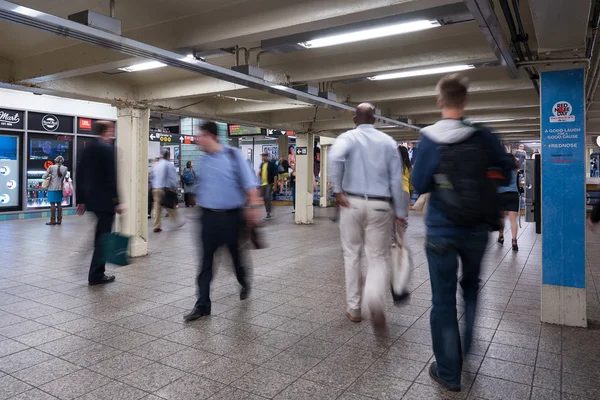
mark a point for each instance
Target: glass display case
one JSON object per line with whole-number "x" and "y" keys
{"x": 10, "y": 171}
{"x": 42, "y": 151}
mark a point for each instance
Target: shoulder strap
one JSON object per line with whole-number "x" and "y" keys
{"x": 235, "y": 162}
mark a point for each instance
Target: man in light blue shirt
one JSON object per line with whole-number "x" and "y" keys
{"x": 163, "y": 178}
{"x": 366, "y": 171}
{"x": 227, "y": 194}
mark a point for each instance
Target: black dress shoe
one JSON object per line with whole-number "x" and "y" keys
{"x": 244, "y": 293}
{"x": 433, "y": 372}
{"x": 105, "y": 279}
{"x": 196, "y": 313}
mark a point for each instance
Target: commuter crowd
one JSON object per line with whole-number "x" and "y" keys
{"x": 466, "y": 180}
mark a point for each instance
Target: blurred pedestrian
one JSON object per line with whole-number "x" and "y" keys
{"x": 268, "y": 180}
{"x": 366, "y": 172}
{"x": 96, "y": 191}
{"x": 164, "y": 178}
{"x": 57, "y": 173}
{"x": 407, "y": 187}
{"x": 227, "y": 196}
{"x": 189, "y": 185}
{"x": 453, "y": 164}
{"x": 509, "y": 200}
{"x": 521, "y": 155}
{"x": 293, "y": 188}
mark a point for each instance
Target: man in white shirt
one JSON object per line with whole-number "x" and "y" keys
{"x": 366, "y": 171}
{"x": 164, "y": 177}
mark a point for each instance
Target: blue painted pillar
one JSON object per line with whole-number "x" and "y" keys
{"x": 563, "y": 197}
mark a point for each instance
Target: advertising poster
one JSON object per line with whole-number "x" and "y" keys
{"x": 563, "y": 178}
{"x": 9, "y": 171}
{"x": 272, "y": 151}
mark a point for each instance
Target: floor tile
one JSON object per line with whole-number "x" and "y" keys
{"x": 291, "y": 363}
{"x": 10, "y": 386}
{"x": 189, "y": 359}
{"x": 75, "y": 385}
{"x": 45, "y": 372}
{"x": 157, "y": 349}
{"x": 331, "y": 373}
{"x": 190, "y": 387}
{"x": 497, "y": 389}
{"x": 307, "y": 390}
{"x": 380, "y": 386}
{"x": 512, "y": 353}
{"x": 23, "y": 359}
{"x": 33, "y": 394}
{"x": 224, "y": 370}
{"x": 120, "y": 365}
{"x": 114, "y": 391}
{"x": 264, "y": 382}
{"x": 152, "y": 377}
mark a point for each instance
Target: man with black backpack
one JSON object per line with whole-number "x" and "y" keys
{"x": 460, "y": 165}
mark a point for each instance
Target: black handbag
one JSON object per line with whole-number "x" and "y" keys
{"x": 169, "y": 199}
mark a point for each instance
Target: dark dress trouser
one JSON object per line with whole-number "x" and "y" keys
{"x": 218, "y": 229}
{"x": 103, "y": 226}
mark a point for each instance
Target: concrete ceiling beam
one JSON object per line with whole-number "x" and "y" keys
{"x": 479, "y": 115}
{"x": 263, "y": 19}
{"x": 485, "y": 101}
{"x": 381, "y": 94}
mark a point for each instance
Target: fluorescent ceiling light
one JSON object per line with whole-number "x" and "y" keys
{"x": 373, "y": 33}
{"x": 420, "y": 72}
{"x": 143, "y": 66}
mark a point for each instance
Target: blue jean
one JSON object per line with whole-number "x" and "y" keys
{"x": 442, "y": 256}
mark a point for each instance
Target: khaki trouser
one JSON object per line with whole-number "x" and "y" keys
{"x": 158, "y": 194}
{"x": 366, "y": 225}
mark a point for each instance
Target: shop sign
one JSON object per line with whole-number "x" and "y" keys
{"x": 11, "y": 119}
{"x": 85, "y": 124}
{"x": 49, "y": 122}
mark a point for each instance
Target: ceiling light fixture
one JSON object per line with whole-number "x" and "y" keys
{"x": 421, "y": 72}
{"x": 373, "y": 33}
{"x": 143, "y": 66}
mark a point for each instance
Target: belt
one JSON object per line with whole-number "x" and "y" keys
{"x": 212, "y": 210}
{"x": 367, "y": 197}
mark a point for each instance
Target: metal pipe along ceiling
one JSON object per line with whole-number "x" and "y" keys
{"x": 26, "y": 16}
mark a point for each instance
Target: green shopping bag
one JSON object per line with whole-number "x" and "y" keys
{"x": 116, "y": 247}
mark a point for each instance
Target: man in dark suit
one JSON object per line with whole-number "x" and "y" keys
{"x": 96, "y": 191}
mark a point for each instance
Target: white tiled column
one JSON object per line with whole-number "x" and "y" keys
{"x": 132, "y": 170}
{"x": 304, "y": 178}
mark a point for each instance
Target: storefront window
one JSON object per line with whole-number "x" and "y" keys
{"x": 42, "y": 150}
{"x": 10, "y": 171}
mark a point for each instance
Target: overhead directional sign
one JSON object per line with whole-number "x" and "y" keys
{"x": 301, "y": 151}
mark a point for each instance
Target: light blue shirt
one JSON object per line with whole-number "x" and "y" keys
{"x": 164, "y": 175}
{"x": 223, "y": 180}
{"x": 366, "y": 161}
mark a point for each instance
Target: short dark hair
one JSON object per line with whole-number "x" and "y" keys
{"x": 99, "y": 128}
{"x": 209, "y": 126}
{"x": 452, "y": 90}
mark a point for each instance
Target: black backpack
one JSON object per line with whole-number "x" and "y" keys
{"x": 465, "y": 185}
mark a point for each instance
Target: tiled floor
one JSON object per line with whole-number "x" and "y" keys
{"x": 61, "y": 339}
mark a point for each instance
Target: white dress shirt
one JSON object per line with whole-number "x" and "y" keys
{"x": 164, "y": 175}
{"x": 365, "y": 161}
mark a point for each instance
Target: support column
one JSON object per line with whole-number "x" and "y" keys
{"x": 325, "y": 146}
{"x": 304, "y": 178}
{"x": 282, "y": 143}
{"x": 132, "y": 170}
{"x": 563, "y": 197}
